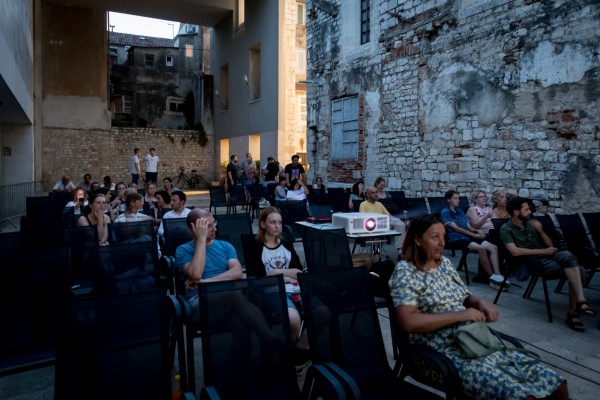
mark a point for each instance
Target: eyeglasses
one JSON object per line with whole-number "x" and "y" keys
{"x": 212, "y": 226}
{"x": 482, "y": 197}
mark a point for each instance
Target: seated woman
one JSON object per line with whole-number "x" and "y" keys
{"x": 163, "y": 205}
{"x": 79, "y": 200}
{"x": 499, "y": 204}
{"x": 319, "y": 184}
{"x": 281, "y": 189}
{"x": 298, "y": 190}
{"x": 459, "y": 233}
{"x": 480, "y": 215}
{"x": 168, "y": 185}
{"x": 96, "y": 217}
{"x": 273, "y": 255}
{"x": 108, "y": 184}
{"x": 149, "y": 198}
{"x": 357, "y": 193}
{"x": 117, "y": 203}
{"x": 380, "y": 185}
{"x": 432, "y": 301}
{"x": 134, "y": 202}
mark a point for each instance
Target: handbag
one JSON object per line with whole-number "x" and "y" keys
{"x": 477, "y": 340}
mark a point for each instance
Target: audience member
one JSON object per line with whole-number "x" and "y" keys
{"x": 372, "y": 205}
{"x": 168, "y": 185}
{"x": 179, "y": 210}
{"x": 281, "y": 189}
{"x": 134, "y": 202}
{"x": 298, "y": 190}
{"x": 480, "y": 215}
{"x": 163, "y": 205}
{"x": 117, "y": 203}
{"x": 152, "y": 166}
{"x": 64, "y": 185}
{"x": 96, "y": 217}
{"x": 94, "y": 187}
{"x": 499, "y": 204}
{"x": 86, "y": 182}
{"x": 357, "y": 193}
{"x": 432, "y": 301}
{"x": 271, "y": 170}
{"x": 525, "y": 237}
{"x": 79, "y": 201}
{"x": 319, "y": 185}
{"x": 134, "y": 166}
{"x": 294, "y": 170}
{"x": 232, "y": 172}
{"x": 380, "y": 184}
{"x": 246, "y": 162}
{"x": 149, "y": 198}
{"x": 108, "y": 184}
{"x": 460, "y": 234}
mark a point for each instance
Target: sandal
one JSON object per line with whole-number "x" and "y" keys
{"x": 574, "y": 322}
{"x": 587, "y": 311}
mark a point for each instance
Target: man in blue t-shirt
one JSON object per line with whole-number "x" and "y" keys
{"x": 204, "y": 259}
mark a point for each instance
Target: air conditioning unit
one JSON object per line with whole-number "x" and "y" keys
{"x": 357, "y": 222}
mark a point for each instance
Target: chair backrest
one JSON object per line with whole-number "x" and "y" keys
{"x": 292, "y": 211}
{"x": 126, "y": 268}
{"x": 114, "y": 347}
{"x": 246, "y": 335}
{"x": 131, "y": 232}
{"x": 320, "y": 213}
{"x": 217, "y": 197}
{"x": 317, "y": 196}
{"x": 326, "y": 249}
{"x": 237, "y": 195}
{"x": 414, "y": 206}
{"x": 32, "y": 286}
{"x": 398, "y": 198}
{"x": 550, "y": 230}
{"x": 391, "y": 206}
{"x": 342, "y": 323}
{"x": 464, "y": 203}
{"x": 573, "y": 231}
{"x": 338, "y": 199}
{"x": 233, "y": 226}
{"x": 176, "y": 233}
{"x": 593, "y": 222}
{"x": 437, "y": 204}
{"x": 82, "y": 244}
{"x": 248, "y": 242}
{"x": 257, "y": 191}
{"x": 356, "y": 205}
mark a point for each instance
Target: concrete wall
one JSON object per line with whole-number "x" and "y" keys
{"x": 100, "y": 153}
{"x": 466, "y": 95}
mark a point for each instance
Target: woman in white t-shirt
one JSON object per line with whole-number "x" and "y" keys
{"x": 134, "y": 202}
{"x": 298, "y": 190}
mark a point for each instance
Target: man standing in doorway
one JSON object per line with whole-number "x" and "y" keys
{"x": 152, "y": 166}
{"x": 294, "y": 170}
{"x": 233, "y": 172}
{"x": 134, "y": 166}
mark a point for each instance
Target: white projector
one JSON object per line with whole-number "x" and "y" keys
{"x": 357, "y": 222}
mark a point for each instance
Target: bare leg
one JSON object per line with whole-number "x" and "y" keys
{"x": 493, "y": 256}
{"x": 483, "y": 257}
{"x": 575, "y": 287}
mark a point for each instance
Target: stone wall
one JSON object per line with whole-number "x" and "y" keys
{"x": 100, "y": 153}
{"x": 466, "y": 95}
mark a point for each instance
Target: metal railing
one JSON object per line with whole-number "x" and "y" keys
{"x": 13, "y": 199}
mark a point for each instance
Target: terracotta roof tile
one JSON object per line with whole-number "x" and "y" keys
{"x": 127, "y": 39}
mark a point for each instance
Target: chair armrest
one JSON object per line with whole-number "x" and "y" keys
{"x": 351, "y": 387}
{"x": 430, "y": 367}
{"x": 208, "y": 393}
{"x": 321, "y": 382}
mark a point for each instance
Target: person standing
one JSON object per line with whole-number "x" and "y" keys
{"x": 232, "y": 172}
{"x": 134, "y": 166}
{"x": 270, "y": 171}
{"x": 152, "y": 166}
{"x": 294, "y": 170}
{"x": 245, "y": 162}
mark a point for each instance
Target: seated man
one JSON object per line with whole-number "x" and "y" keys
{"x": 372, "y": 205}
{"x": 179, "y": 210}
{"x": 64, "y": 185}
{"x": 523, "y": 236}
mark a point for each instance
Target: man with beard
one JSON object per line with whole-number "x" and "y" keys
{"x": 524, "y": 237}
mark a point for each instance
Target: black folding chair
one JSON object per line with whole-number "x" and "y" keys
{"x": 176, "y": 233}
{"x": 257, "y": 192}
{"x": 291, "y": 212}
{"x": 578, "y": 243}
{"x": 345, "y": 334}
{"x": 82, "y": 245}
{"x": 593, "y": 223}
{"x": 414, "y": 206}
{"x": 131, "y": 232}
{"x": 337, "y": 198}
{"x": 326, "y": 249}
{"x": 231, "y": 227}
{"x": 436, "y": 205}
{"x": 217, "y": 198}
{"x": 246, "y": 334}
{"x": 114, "y": 347}
{"x": 237, "y": 197}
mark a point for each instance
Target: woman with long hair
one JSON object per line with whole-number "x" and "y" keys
{"x": 357, "y": 193}
{"x": 134, "y": 202}
{"x": 96, "y": 217}
{"x": 79, "y": 200}
{"x": 150, "y": 198}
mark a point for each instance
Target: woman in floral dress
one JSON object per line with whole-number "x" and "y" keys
{"x": 432, "y": 301}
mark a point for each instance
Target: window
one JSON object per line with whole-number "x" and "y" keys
{"x": 344, "y": 130}
{"x": 149, "y": 60}
{"x": 302, "y": 110}
{"x": 300, "y": 60}
{"x": 189, "y": 50}
{"x": 113, "y": 52}
{"x": 127, "y": 104}
{"x": 175, "y": 105}
{"x": 169, "y": 61}
{"x": 301, "y": 15}
{"x": 254, "y": 73}
{"x": 365, "y": 21}
{"x": 223, "y": 95}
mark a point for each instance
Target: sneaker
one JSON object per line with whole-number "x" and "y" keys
{"x": 496, "y": 280}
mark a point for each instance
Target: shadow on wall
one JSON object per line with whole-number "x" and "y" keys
{"x": 461, "y": 89}
{"x": 581, "y": 186}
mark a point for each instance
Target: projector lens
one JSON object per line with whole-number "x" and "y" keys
{"x": 370, "y": 224}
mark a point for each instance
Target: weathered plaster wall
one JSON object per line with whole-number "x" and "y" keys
{"x": 100, "y": 153}
{"x": 471, "y": 94}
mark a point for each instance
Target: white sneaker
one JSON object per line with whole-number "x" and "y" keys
{"x": 497, "y": 279}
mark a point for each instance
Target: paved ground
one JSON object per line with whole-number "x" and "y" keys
{"x": 575, "y": 355}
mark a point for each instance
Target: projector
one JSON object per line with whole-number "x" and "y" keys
{"x": 357, "y": 222}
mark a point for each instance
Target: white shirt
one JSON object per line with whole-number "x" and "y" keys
{"x": 59, "y": 186}
{"x": 152, "y": 163}
{"x": 172, "y": 214}
{"x": 296, "y": 194}
{"x": 135, "y": 162}
{"x": 132, "y": 218}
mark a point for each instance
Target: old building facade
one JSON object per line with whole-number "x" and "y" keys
{"x": 457, "y": 94}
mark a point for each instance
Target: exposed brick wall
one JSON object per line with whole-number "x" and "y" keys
{"x": 100, "y": 153}
{"x": 465, "y": 95}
